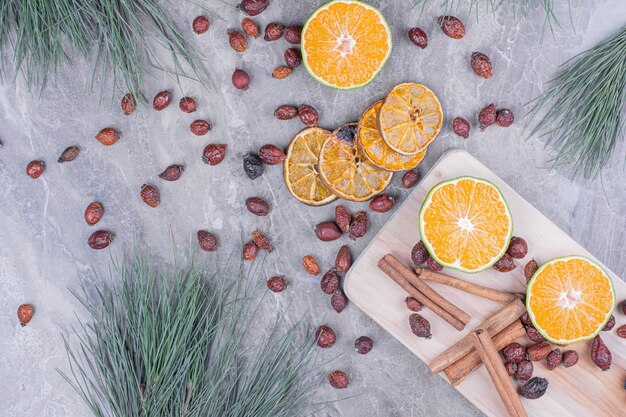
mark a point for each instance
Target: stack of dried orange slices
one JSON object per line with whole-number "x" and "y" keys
{"x": 357, "y": 160}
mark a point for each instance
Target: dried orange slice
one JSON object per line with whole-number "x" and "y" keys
{"x": 375, "y": 148}
{"x": 466, "y": 224}
{"x": 300, "y": 167}
{"x": 345, "y": 44}
{"x": 344, "y": 169}
{"x": 410, "y": 118}
{"x": 570, "y": 299}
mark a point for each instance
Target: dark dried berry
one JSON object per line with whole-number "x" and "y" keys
{"x": 410, "y": 178}
{"x": 292, "y": 57}
{"x": 518, "y": 248}
{"x": 207, "y": 240}
{"x": 172, "y": 172}
{"x": 250, "y": 251}
{"x": 236, "y": 40}
{"x": 128, "y": 104}
{"x": 107, "y": 136}
{"x": 419, "y": 254}
{"x": 100, "y": 239}
{"x": 343, "y": 261}
{"x": 330, "y": 282}
{"x": 343, "y": 218}
{"x": 347, "y": 132}
{"x": 240, "y": 79}
{"x": 504, "y": 117}
{"x": 249, "y": 27}
{"x": 624, "y": 307}
{"x": 271, "y": 154}
{"x": 253, "y": 7}
{"x": 93, "y": 213}
{"x": 201, "y": 24}
{"x": 433, "y": 265}
{"x": 214, "y": 153}
{"x": 481, "y": 64}
{"x": 487, "y": 116}
{"x": 327, "y": 231}
{"x": 308, "y": 115}
{"x": 419, "y": 326}
{"x": 363, "y": 345}
{"x": 621, "y": 331}
{"x": 524, "y": 371}
{"x": 200, "y": 127}
{"x": 534, "y": 335}
{"x": 338, "y": 301}
{"x": 504, "y": 264}
{"x": 276, "y": 284}
{"x": 570, "y": 358}
{"x": 34, "y": 169}
{"x": 554, "y": 359}
{"x": 539, "y": 351}
{"x": 359, "y": 225}
{"x": 69, "y": 154}
{"x": 452, "y": 26}
{"x": 187, "y": 104}
{"x": 273, "y": 31}
{"x": 461, "y": 127}
{"x": 412, "y": 304}
{"x": 530, "y": 269}
{"x": 150, "y": 195}
{"x": 161, "y": 100}
{"x": 258, "y": 206}
{"x": 25, "y": 314}
{"x": 525, "y": 319}
{"x": 338, "y": 379}
{"x": 325, "y": 337}
{"x": 534, "y": 388}
{"x": 252, "y": 165}
{"x": 511, "y": 368}
{"x": 281, "y": 72}
{"x": 418, "y": 37}
{"x": 609, "y": 324}
{"x": 382, "y": 203}
{"x": 293, "y": 34}
{"x": 514, "y": 352}
{"x": 600, "y": 354}
{"x": 285, "y": 112}
{"x": 310, "y": 265}
{"x": 262, "y": 241}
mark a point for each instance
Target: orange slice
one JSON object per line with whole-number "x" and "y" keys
{"x": 375, "y": 148}
{"x": 300, "y": 167}
{"x": 570, "y": 299}
{"x": 466, "y": 224}
{"x": 410, "y": 118}
{"x": 345, "y": 44}
{"x": 344, "y": 169}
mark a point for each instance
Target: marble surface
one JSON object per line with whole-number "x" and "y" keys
{"x": 43, "y": 250}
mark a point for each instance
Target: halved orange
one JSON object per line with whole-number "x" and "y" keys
{"x": 466, "y": 224}
{"x": 345, "y": 44}
{"x": 300, "y": 167}
{"x": 410, "y": 118}
{"x": 346, "y": 171}
{"x": 375, "y": 148}
{"x": 570, "y": 299}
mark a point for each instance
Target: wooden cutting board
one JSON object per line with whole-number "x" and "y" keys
{"x": 583, "y": 390}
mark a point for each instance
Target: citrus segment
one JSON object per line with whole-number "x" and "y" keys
{"x": 375, "y": 148}
{"x": 345, "y": 44}
{"x": 344, "y": 169}
{"x": 300, "y": 167}
{"x": 466, "y": 224}
{"x": 570, "y": 299}
{"x": 410, "y": 118}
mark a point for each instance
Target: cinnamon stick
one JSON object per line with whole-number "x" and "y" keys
{"x": 413, "y": 292}
{"x": 501, "y": 297}
{"x": 494, "y": 325}
{"x": 491, "y": 359}
{"x": 457, "y": 372}
{"x": 427, "y": 290}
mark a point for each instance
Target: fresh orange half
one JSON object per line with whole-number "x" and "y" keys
{"x": 375, "y": 148}
{"x": 570, "y": 299}
{"x": 344, "y": 169}
{"x": 410, "y": 118}
{"x": 345, "y": 44}
{"x": 466, "y": 224}
{"x": 300, "y": 167}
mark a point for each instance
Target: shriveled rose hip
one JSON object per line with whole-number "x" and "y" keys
{"x": 253, "y": 7}
{"x": 161, "y": 100}
{"x": 327, "y": 231}
{"x": 343, "y": 218}
{"x": 338, "y": 379}
{"x": 534, "y": 335}
{"x": 250, "y": 250}
{"x": 276, "y": 284}
{"x": 172, "y": 172}
{"x": 539, "y": 351}
{"x": 107, "y": 136}
{"x": 100, "y": 239}
{"x": 128, "y": 104}
{"x": 554, "y": 359}
{"x": 240, "y": 79}
{"x": 338, "y": 301}
{"x": 609, "y": 324}
{"x": 207, "y": 240}
{"x": 518, "y": 248}
{"x": 514, "y": 352}
{"x": 343, "y": 261}
{"x": 93, "y": 213}
{"x": 570, "y": 358}
{"x": 530, "y": 269}
{"x": 419, "y": 326}
{"x": 511, "y": 368}
{"x": 273, "y": 31}
{"x": 412, "y": 304}
{"x": 187, "y": 104}
{"x": 382, "y": 203}
{"x": 358, "y": 227}
{"x": 524, "y": 371}
{"x": 325, "y": 337}
{"x": 410, "y": 178}
{"x": 250, "y": 28}
{"x": 363, "y": 345}
{"x": 214, "y": 153}
{"x": 25, "y": 314}
{"x": 271, "y": 154}
{"x": 258, "y": 206}
{"x": 237, "y": 41}
{"x": 308, "y": 115}
{"x": 600, "y": 354}
{"x": 34, "y": 169}
{"x": 621, "y": 331}
{"x": 461, "y": 127}
{"x": 481, "y": 64}
{"x": 69, "y": 154}
{"x": 418, "y": 37}
{"x": 504, "y": 118}
{"x": 504, "y": 264}
{"x": 292, "y": 57}
{"x": 293, "y": 34}
{"x": 330, "y": 282}
{"x": 525, "y": 319}
{"x": 150, "y": 195}
{"x": 487, "y": 116}
{"x": 310, "y": 265}
{"x": 419, "y": 254}
{"x": 201, "y": 24}
{"x": 262, "y": 241}
{"x": 433, "y": 265}
{"x": 285, "y": 112}
{"x": 624, "y": 307}
{"x": 200, "y": 127}
{"x": 281, "y": 72}
{"x": 452, "y": 26}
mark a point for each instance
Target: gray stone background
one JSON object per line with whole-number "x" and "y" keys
{"x": 43, "y": 250}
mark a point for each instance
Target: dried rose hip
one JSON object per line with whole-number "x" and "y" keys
{"x": 261, "y": 241}
{"x": 511, "y": 368}
{"x": 461, "y": 127}
{"x": 293, "y": 34}
{"x": 419, "y": 254}
{"x": 609, "y": 324}
{"x": 292, "y": 57}
{"x": 343, "y": 218}
{"x": 343, "y": 261}
{"x": 201, "y": 25}
{"x": 504, "y": 118}
{"x": 410, "y": 178}
{"x": 107, "y": 136}
{"x": 100, "y": 239}
{"x": 207, "y": 240}
{"x": 487, "y": 116}
{"x": 382, "y": 203}
{"x": 150, "y": 195}
{"x": 200, "y": 127}
{"x": 504, "y": 264}
{"x": 258, "y": 206}
{"x": 128, "y": 104}
{"x": 570, "y": 358}
{"x": 419, "y": 326}
{"x": 338, "y": 379}
{"x": 308, "y": 115}
{"x": 518, "y": 248}
{"x": 187, "y": 104}
{"x": 325, "y": 336}
{"x": 310, "y": 265}
{"x": 240, "y": 79}
{"x": 330, "y": 282}
{"x": 624, "y": 307}
{"x": 172, "y": 172}
{"x": 481, "y": 64}
{"x": 363, "y": 345}
{"x": 93, "y": 213}
{"x": 271, "y": 154}
{"x": 276, "y": 284}
{"x": 250, "y": 251}
{"x": 530, "y": 269}
{"x": 534, "y": 388}
{"x": 621, "y": 331}
{"x": 249, "y": 27}
{"x": 25, "y": 314}
{"x": 253, "y": 7}
{"x": 358, "y": 227}
{"x": 412, "y": 304}
{"x": 600, "y": 354}
{"x": 273, "y": 31}
{"x": 514, "y": 352}
{"x": 69, "y": 154}
{"x": 554, "y": 359}
{"x": 452, "y": 26}
{"x": 34, "y": 169}
{"x": 338, "y": 301}
{"x": 252, "y": 165}
{"x": 327, "y": 231}
{"x": 539, "y": 351}
{"x": 525, "y": 319}
{"x": 214, "y": 153}
{"x": 281, "y": 72}
{"x": 433, "y": 265}
{"x": 236, "y": 40}
{"x": 534, "y": 335}
{"x": 161, "y": 100}
{"x": 524, "y": 371}
{"x": 418, "y": 37}
{"x": 285, "y": 112}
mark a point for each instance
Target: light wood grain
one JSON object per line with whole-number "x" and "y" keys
{"x": 581, "y": 391}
